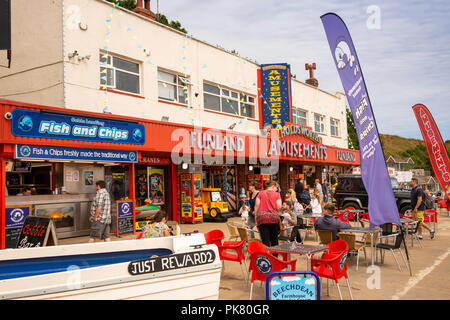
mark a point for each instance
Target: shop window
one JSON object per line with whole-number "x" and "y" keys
{"x": 299, "y": 116}
{"x": 119, "y": 74}
{"x": 228, "y": 101}
{"x": 319, "y": 123}
{"x": 334, "y": 127}
{"x": 173, "y": 87}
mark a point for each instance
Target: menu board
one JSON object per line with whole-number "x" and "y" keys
{"x": 37, "y": 232}
{"x": 14, "y": 219}
{"x": 125, "y": 217}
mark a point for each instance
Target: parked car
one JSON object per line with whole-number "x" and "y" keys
{"x": 350, "y": 192}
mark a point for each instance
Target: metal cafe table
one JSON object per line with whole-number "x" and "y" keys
{"x": 301, "y": 249}
{"x": 370, "y": 231}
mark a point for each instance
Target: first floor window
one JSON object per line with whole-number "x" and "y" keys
{"x": 173, "y": 87}
{"x": 299, "y": 116}
{"x": 120, "y": 74}
{"x": 228, "y": 101}
{"x": 319, "y": 123}
{"x": 334, "y": 127}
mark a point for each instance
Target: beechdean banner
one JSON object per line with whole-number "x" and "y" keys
{"x": 275, "y": 95}
{"x": 435, "y": 146}
{"x": 382, "y": 205}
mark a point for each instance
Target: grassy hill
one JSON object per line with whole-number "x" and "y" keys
{"x": 399, "y": 147}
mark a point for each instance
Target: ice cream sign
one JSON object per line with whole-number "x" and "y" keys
{"x": 36, "y": 124}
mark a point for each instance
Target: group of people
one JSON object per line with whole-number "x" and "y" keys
{"x": 100, "y": 218}
{"x": 273, "y": 217}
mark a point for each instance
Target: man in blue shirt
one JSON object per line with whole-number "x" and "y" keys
{"x": 330, "y": 223}
{"x": 418, "y": 207}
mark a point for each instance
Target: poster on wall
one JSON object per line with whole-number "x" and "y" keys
{"x": 156, "y": 185}
{"x": 275, "y": 95}
{"x": 88, "y": 178}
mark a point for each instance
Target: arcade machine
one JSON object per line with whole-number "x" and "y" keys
{"x": 191, "y": 197}
{"x": 293, "y": 179}
{"x": 260, "y": 178}
{"x": 149, "y": 195}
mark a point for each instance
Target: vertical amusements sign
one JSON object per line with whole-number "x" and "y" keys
{"x": 382, "y": 205}
{"x": 275, "y": 96}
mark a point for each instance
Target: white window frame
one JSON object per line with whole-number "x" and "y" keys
{"x": 321, "y": 122}
{"x": 110, "y": 66}
{"x": 336, "y": 125}
{"x": 296, "y": 116}
{"x": 178, "y": 86}
{"x": 241, "y": 98}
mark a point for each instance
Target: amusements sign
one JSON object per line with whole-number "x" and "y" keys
{"x": 382, "y": 205}
{"x": 437, "y": 151}
{"x": 275, "y": 96}
{"x": 37, "y": 232}
{"x": 125, "y": 217}
{"x": 297, "y": 285}
{"x": 15, "y": 217}
{"x": 36, "y": 124}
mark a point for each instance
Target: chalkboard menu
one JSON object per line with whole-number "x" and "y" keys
{"x": 125, "y": 217}
{"x": 14, "y": 219}
{"x": 37, "y": 232}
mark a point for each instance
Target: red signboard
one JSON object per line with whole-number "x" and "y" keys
{"x": 435, "y": 146}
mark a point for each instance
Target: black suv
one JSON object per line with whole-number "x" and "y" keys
{"x": 350, "y": 192}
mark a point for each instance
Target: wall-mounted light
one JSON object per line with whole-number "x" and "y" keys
{"x": 250, "y": 168}
{"x": 184, "y": 165}
{"x": 83, "y": 26}
{"x": 165, "y": 119}
{"x": 147, "y": 52}
{"x": 291, "y": 169}
{"x": 231, "y": 127}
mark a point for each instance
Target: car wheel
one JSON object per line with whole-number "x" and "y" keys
{"x": 213, "y": 213}
{"x": 406, "y": 210}
{"x": 352, "y": 204}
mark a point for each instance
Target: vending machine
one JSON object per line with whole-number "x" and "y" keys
{"x": 191, "y": 197}
{"x": 293, "y": 179}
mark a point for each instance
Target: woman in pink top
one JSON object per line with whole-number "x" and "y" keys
{"x": 267, "y": 208}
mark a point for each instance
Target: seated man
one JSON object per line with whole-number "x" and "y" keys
{"x": 330, "y": 223}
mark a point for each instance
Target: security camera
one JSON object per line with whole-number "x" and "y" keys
{"x": 8, "y": 116}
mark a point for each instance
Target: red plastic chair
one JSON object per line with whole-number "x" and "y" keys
{"x": 335, "y": 248}
{"x": 256, "y": 246}
{"x": 431, "y": 218}
{"x": 344, "y": 216}
{"x": 262, "y": 264}
{"x": 214, "y": 237}
{"x": 333, "y": 268}
{"x": 139, "y": 236}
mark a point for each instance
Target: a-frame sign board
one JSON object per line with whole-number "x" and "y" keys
{"x": 37, "y": 232}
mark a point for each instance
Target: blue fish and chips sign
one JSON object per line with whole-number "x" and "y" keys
{"x": 37, "y": 124}
{"x": 294, "y": 285}
{"x": 275, "y": 96}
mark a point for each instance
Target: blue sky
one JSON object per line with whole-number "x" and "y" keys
{"x": 406, "y": 61}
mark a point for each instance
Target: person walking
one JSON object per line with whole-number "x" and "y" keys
{"x": 418, "y": 207}
{"x": 299, "y": 188}
{"x": 100, "y": 214}
{"x": 318, "y": 191}
{"x": 325, "y": 191}
{"x": 267, "y": 208}
{"x": 254, "y": 189}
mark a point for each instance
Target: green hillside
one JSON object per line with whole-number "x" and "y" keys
{"x": 399, "y": 147}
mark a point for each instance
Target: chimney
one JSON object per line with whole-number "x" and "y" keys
{"x": 143, "y": 8}
{"x": 311, "y": 81}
